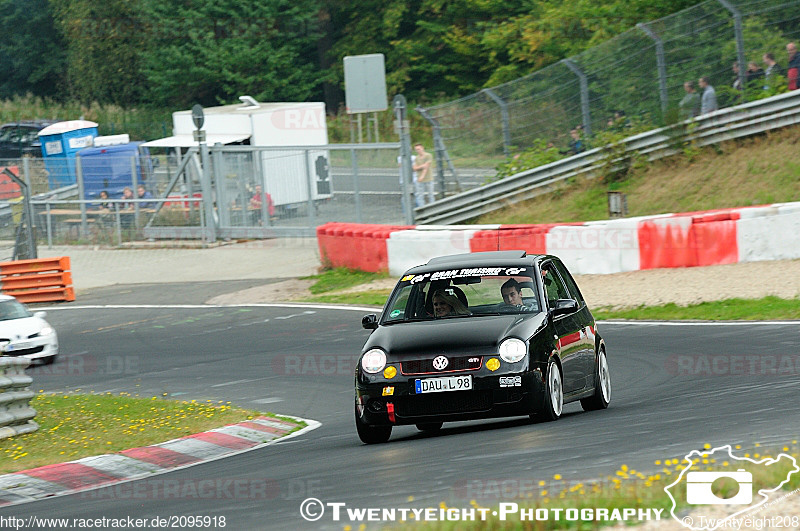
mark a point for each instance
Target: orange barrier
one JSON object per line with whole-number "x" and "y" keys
{"x": 37, "y": 280}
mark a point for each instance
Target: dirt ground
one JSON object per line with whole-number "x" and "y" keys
{"x": 682, "y": 286}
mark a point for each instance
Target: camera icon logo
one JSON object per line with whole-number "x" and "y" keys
{"x": 698, "y": 488}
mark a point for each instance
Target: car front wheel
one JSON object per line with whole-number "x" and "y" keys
{"x": 602, "y": 386}
{"x": 372, "y": 434}
{"x": 554, "y": 393}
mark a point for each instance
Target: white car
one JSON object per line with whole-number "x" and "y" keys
{"x": 25, "y": 334}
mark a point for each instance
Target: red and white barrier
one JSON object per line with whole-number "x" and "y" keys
{"x": 768, "y": 232}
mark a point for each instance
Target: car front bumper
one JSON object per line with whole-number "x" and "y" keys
{"x": 381, "y": 401}
{"x": 33, "y": 349}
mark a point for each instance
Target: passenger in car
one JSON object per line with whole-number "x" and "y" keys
{"x": 445, "y": 303}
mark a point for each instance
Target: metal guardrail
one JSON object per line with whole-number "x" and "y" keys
{"x": 726, "y": 124}
{"x": 16, "y": 413}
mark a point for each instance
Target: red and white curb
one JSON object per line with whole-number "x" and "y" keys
{"x": 689, "y": 239}
{"x": 103, "y": 470}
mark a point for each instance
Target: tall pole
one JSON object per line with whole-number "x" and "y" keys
{"x": 401, "y": 126}
{"x": 584, "y": 89}
{"x": 198, "y": 118}
{"x": 737, "y": 28}
{"x": 662, "y": 67}
{"x": 506, "y": 121}
{"x": 208, "y": 193}
{"x": 82, "y": 205}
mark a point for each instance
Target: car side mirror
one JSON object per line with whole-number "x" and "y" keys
{"x": 40, "y": 315}
{"x": 565, "y": 306}
{"x": 370, "y": 321}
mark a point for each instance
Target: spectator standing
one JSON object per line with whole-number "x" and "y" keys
{"x": 690, "y": 104}
{"x": 417, "y": 192}
{"x": 708, "y": 101}
{"x": 793, "y": 69}
{"x": 576, "y": 144}
{"x": 773, "y": 69}
{"x": 736, "y": 84}
{"x": 424, "y": 165}
{"x": 143, "y": 193}
{"x": 754, "y": 73}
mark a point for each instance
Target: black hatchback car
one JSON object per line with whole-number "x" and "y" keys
{"x": 20, "y": 139}
{"x": 479, "y": 335}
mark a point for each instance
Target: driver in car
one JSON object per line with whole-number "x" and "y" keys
{"x": 511, "y": 292}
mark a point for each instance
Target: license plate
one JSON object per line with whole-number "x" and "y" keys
{"x": 18, "y": 346}
{"x": 445, "y": 383}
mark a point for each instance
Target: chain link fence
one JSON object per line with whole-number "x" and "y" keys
{"x": 256, "y": 192}
{"x": 635, "y": 77}
{"x": 17, "y": 233}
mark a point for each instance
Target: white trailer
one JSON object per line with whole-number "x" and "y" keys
{"x": 283, "y": 173}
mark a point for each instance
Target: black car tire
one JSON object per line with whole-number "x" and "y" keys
{"x": 602, "y": 386}
{"x": 48, "y": 360}
{"x": 430, "y": 426}
{"x": 372, "y": 434}
{"x": 554, "y": 393}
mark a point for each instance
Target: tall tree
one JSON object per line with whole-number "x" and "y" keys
{"x": 104, "y": 40}
{"x": 32, "y": 56}
{"x": 212, "y": 51}
{"x": 432, "y": 47}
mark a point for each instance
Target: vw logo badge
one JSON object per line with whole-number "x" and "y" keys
{"x": 439, "y": 363}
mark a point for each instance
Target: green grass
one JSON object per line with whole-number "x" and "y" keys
{"x": 370, "y": 298}
{"x": 73, "y": 426}
{"x": 628, "y": 488}
{"x": 340, "y": 278}
{"x": 766, "y": 308}
{"x": 745, "y": 172}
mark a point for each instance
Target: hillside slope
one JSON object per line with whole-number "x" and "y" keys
{"x": 760, "y": 170}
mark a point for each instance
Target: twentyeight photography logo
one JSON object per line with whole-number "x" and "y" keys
{"x": 720, "y": 487}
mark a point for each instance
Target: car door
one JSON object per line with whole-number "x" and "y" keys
{"x": 567, "y": 331}
{"x": 585, "y": 322}
{"x": 8, "y": 136}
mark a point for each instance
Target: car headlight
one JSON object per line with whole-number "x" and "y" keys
{"x": 373, "y": 361}
{"x": 46, "y": 331}
{"x": 512, "y": 349}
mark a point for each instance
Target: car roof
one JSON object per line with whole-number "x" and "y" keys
{"x": 7, "y": 298}
{"x": 487, "y": 259}
{"x": 40, "y": 124}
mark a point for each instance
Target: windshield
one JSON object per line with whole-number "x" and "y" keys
{"x": 462, "y": 293}
{"x": 12, "y": 310}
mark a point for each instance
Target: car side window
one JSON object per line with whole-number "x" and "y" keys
{"x": 575, "y": 293}
{"x": 29, "y": 136}
{"x": 553, "y": 285}
{"x": 8, "y": 134}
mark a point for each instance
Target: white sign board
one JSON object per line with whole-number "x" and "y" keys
{"x": 53, "y": 147}
{"x": 365, "y": 83}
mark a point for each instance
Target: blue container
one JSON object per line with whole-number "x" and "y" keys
{"x": 109, "y": 168}
{"x": 60, "y": 143}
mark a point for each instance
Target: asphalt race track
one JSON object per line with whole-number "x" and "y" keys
{"x": 675, "y": 388}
